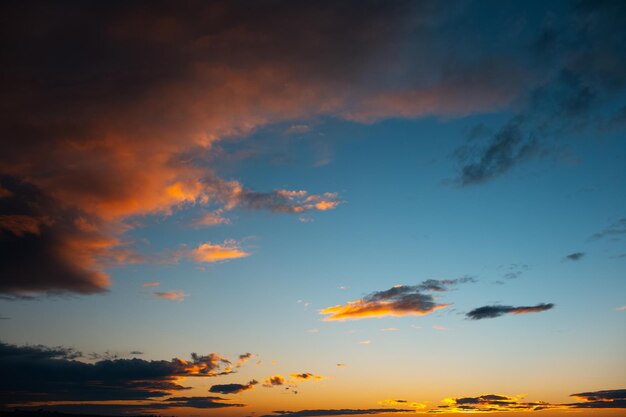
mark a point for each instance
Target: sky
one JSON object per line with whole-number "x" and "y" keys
{"x": 313, "y": 208}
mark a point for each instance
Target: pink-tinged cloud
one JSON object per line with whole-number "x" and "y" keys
{"x": 151, "y": 284}
{"x": 213, "y": 218}
{"x": 173, "y": 295}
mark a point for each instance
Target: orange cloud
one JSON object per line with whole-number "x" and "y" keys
{"x": 402, "y": 403}
{"x": 361, "y": 309}
{"x": 213, "y": 218}
{"x": 209, "y": 252}
{"x": 151, "y": 284}
{"x": 273, "y": 381}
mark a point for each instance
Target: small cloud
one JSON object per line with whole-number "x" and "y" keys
{"x": 341, "y": 365}
{"x": 212, "y": 218}
{"x": 615, "y": 230}
{"x": 313, "y": 331}
{"x": 273, "y": 381}
{"x": 402, "y": 403}
{"x": 365, "y": 342}
{"x": 305, "y": 219}
{"x": 343, "y": 287}
{"x": 489, "y": 312}
{"x": 306, "y": 376}
{"x": 389, "y": 329}
{"x": 209, "y": 252}
{"x": 622, "y": 308}
{"x": 243, "y": 358}
{"x": 305, "y": 304}
{"x": 437, "y": 327}
{"x": 136, "y": 352}
{"x": 576, "y": 256}
{"x": 174, "y": 295}
{"x": 233, "y": 388}
{"x": 151, "y": 284}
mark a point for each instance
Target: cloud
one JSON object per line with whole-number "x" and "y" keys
{"x": 243, "y": 358}
{"x": 601, "y": 399}
{"x": 490, "y": 403}
{"x": 200, "y": 402}
{"x": 273, "y": 381}
{"x": 130, "y": 102}
{"x": 174, "y": 295}
{"x": 569, "y": 97}
{"x": 41, "y": 374}
{"x": 489, "y": 312}
{"x": 212, "y": 218}
{"x": 622, "y": 308}
{"x": 502, "y": 403}
{"x": 400, "y": 300}
{"x": 337, "y": 412}
{"x": 306, "y": 376}
{"x": 403, "y": 403}
{"x": 576, "y": 256}
{"x": 614, "y": 231}
{"x": 233, "y": 388}
{"x": 208, "y": 252}
{"x": 151, "y": 284}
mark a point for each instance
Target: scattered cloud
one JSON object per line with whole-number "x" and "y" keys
{"x": 601, "y": 399}
{"x": 389, "y": 329}
{"x": 576, "y": 256}
{"x": 365, "y": 342}
{"x": 441, "y": 328}
{"x": 174, "y": 295}
{"x": 400, "y": 300}
{"x": 622, "y": 308}
{"x": 306, "y": 376}
{"x": 233, "y": 388}
{"x": 273, "y": 381}
{"x": 489, "y": 312}
{"x": 151, "y": 284}
{"x": 341, "y": 365}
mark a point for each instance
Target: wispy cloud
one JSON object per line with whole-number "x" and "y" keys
{"x": 217, "y": 252}
{"x": 615, "y": 230}
{"x": 273, "y": 380}
{"x": 306, "y": 376}
{"x": 151, "y": 284}
{"x": 489, "y": 312}
{"x": 174, "y": 295}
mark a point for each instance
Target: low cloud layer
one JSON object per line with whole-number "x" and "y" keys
{"x": 490, "y": 312}
{"x": 44, "y": 374}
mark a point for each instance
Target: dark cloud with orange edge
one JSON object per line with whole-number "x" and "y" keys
{"x": 490, "y": 312}
{"x": 233, "y": 388}
{"x": 111, "y": 110}
{"x": 42, "y": 374}
{"x": 400, "y": 300}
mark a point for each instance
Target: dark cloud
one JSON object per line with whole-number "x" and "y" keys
{"x": 336, "y": 412}
{"x": 489, "y": 312}
{"x": 601, "y": 399}
{"x": 576, "y": 256}
{"x": 490, "y": 403}
{"x": 400, "y": 300}
{"x": 233, "y": 388}
{"x": 273, "y": 381}
{"x": 306, "y": 376}
{"x": 200, "y": 402}
{"x": 587, "y": 62}
{"x": 46, "y": 374}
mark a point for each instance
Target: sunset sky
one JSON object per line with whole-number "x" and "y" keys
{"x": 313, "y": 208}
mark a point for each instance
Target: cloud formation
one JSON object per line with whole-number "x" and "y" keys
{"x": 576, "y": 256}
{"x": 489, "y": 312}
{"x": 400, "y": 300}
{"x": 306, "y": 376}
{"x": 44, "y": 374}
{"x": 233, "y": 388}
{"x": 273, "y": 381}
{"x": 336, "y": 412}
{"x": 216, "y": 252}
{"x": 174, "y": 295}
